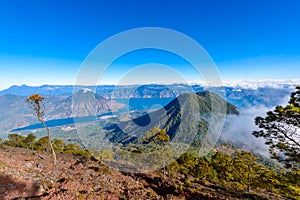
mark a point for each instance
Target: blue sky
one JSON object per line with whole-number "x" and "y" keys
{"x": 45, "y": 42}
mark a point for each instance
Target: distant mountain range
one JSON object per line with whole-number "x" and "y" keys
{"x": 107, "y": 91}
{"x": 15, "y": 113}
{"x": 239, "y": 96}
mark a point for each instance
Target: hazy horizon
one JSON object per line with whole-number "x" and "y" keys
{"x": 272, "y": 83}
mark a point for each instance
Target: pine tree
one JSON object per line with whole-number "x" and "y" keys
{"x": 223, "y": 164}
{"x": 281, "y": 129}
{"x": 246, "y": 168}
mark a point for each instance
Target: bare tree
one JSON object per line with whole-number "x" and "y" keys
{"x": 36, "y": 102}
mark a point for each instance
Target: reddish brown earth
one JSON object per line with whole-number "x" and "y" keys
{"x": 32, "y": 175}
{"x": 27, "y": 174}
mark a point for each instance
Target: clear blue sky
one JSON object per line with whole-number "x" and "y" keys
{"x": 45, "y": 41}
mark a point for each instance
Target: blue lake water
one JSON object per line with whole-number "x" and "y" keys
{"x": 132, "y": 104}
{"x": 61, "y": 122}
{"x": 143, "y": 103}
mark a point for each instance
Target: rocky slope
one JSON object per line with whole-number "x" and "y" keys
{"x": 27, "y": 174}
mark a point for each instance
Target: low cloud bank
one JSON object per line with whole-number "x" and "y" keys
{"x": 238, "y": 128}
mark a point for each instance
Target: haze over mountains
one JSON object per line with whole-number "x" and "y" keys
{"x": 233, "y": 92}
{"x": 16, "y": 113}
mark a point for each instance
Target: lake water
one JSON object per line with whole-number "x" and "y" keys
{"x": 132, "y": 104}
{"x": 143, "y": 104}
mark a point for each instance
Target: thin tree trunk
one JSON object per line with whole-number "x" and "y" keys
{"x": 249, "y": 180}
{"x": 164, "y": 166}
{"x": 50, "y": 143}
{"x": 164, "y": 169}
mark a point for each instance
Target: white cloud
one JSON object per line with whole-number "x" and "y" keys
{"x": 254, "y": 84}
{"x": 271, "y": 83}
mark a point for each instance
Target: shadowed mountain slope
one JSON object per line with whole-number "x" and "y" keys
{"x": 183, "y": 118}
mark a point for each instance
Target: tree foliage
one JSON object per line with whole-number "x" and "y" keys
{"x": 42, "y": 144}
{"x": 223, "y": 165}
{"x": 156, "y": 135}
{"x": 29, "y": 140}
{"x": 281, "y": 129}
{"x": 246, "y": 168}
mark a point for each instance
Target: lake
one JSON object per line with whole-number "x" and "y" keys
{"x": 131, "y": 104}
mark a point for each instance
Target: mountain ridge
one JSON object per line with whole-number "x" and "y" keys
{"x": 15, "y": 112}
{"x": 187, "y": 113}
{"x": 239, "y": 96}
{"x": 12, "y": 105}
